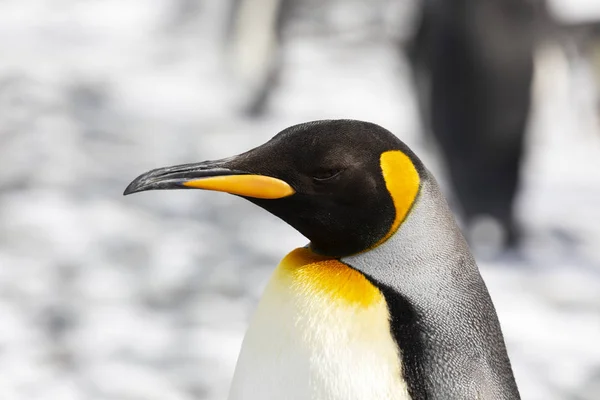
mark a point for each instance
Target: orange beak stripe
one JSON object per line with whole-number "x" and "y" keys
{"x": 257, "y": 186}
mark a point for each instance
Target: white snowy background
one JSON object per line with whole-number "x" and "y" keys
{"x": 147, "y": 297}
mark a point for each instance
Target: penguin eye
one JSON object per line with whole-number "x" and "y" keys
{"x": 326, "y": 174}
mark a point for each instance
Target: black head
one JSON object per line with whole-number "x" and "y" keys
{"x": 346, "y": 185}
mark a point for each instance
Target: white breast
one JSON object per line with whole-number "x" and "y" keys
{"x": 307, "y": 341}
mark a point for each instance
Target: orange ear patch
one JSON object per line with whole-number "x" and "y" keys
{"x": 402, "y": 181}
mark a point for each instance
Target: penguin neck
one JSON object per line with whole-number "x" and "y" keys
{"x": 426, "y": 263}
{"x": 428, "y": 236}
{"x": 439, "y": 306}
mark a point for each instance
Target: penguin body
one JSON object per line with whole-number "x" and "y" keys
{"x": 321, "y": 331}
{"x": 386, "y": 302}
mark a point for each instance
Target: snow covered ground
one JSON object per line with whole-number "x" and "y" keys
{"x": 147, "y": 297}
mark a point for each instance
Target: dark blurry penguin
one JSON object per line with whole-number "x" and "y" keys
{"x": 385, "y": 302}
{"x": 473, "y": 63}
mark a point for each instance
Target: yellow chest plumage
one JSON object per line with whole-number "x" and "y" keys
{"x": 321, "y": 332}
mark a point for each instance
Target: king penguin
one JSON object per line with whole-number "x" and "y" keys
{"x": 386, "y": 301}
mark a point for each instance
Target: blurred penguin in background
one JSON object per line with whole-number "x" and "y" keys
{"x": 258, "y": 29}
{"x": 254, "y": 35}
{"x": 577, "y": 31}
{"x": 473, "y": 67}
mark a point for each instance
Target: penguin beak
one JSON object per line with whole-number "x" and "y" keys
{"x": 211, "y": 175}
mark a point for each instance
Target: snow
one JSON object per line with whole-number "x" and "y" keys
{"x": 575, "y": 11}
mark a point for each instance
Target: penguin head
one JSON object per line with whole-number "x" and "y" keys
{"x": 346, "y": 185}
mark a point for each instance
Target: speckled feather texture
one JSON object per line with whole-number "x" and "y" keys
{"x": 442, "y": 316}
